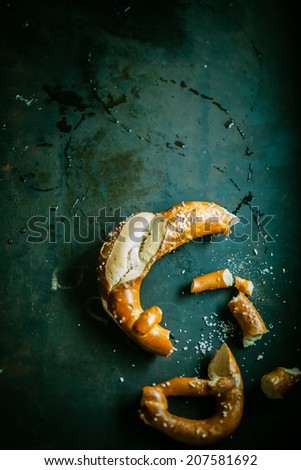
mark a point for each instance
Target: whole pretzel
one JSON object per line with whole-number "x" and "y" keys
{"x": 225, "y": 383}
{"x": 133, "y": 248}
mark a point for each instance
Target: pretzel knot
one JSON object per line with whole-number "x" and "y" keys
{"x": 225, "y": 384}
{"x": 134, "y": 246}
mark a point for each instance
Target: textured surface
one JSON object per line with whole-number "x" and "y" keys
{"x": 108, "y": 108}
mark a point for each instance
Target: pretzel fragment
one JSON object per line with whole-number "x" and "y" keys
{"x": 277, "y": 383}
{"x": 133, "y": 247}
{"x": 211, "y": 281}
{"x": 225, "y": 384}
{"x": 244, "y": 285}
{"x": 248, "y": 318}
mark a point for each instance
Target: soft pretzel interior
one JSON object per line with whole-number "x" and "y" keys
{"x": 127, "y": 256}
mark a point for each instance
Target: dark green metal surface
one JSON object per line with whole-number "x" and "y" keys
{"x": 108, "y": 108}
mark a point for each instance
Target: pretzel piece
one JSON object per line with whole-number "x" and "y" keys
{"x": 225, "y": 384}
{"x": 244, "y": 285}
{"x": 212, "y": 280}
{"x": 248, "y": 318}
{"x": 134, "y": 246}
{"x": 277, "y": 383}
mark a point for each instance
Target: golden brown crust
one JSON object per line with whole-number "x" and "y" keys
{"x": 244, "y": 285}
{"x": 211, "y": 281}
{"x": 277, "y": 383}
{"x": 227, "y": 389}
{"x": 125, "y": 308}
{"x": 190, "y": 220}
{"x": 136, "y": 244}
{"x": 248, "y": 318}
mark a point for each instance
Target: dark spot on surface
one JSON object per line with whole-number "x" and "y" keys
{"x": 195, "y": 92}
{"x": 179, "y": 143}
{"x": 205, "y": 97}
{"x": 250, "y": 173}
{"x": 229, "y": 123}
{"x": 244, "y": 201}
{"x": 234, "y": 184}
{"x": 248, "y": 152}
{"x": 65, "y": 97}
{"x": 218, "y": 168}
{"x": 63, "y": 126}
{"x": 113, "y": 102}
{"x": 44, "y": 144}
{"x": 220, "y": 107}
